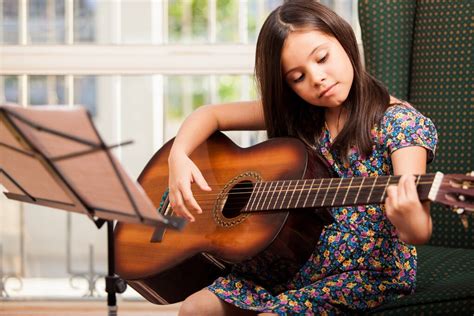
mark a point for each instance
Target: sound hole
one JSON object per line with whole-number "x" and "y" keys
{"x": 237, "y": 198}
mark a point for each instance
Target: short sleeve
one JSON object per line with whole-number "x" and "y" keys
{"x": 403, "y": 126}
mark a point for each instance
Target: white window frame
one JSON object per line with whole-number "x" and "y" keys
{"x": 126, "y": 59}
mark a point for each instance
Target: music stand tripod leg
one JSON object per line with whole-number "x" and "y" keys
{"x": 113, "y": 284}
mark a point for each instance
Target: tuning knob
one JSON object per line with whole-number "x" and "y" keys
{"x": 458, "y": 210}
{"x": 465, "y": 222}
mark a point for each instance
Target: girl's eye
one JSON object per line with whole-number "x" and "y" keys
{"x": 322, "y": 60}
{"x": 299, "y": 79}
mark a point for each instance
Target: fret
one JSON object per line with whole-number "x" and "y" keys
{"x": 417, "y": 180}
{"x": 360, "y": 187}
{"x": 372, "y": 188}
{"x": 327, "y": 190}
{"x": 292, "y": 194}
{"x": 355, "y": 189}
{"x": 303, "y": 188}
{"x": 265, "y": 194}
{"x": 284, "y": 196}
{"x": 385, "y": 189}
{"x": 317, "y": 192}
{"x": 261, "y": 192}
{"x": 273, "y": 194}
{"x": 278, "y": 195}
{"x": 253, "y": 196}
{"x": 337, "y": 191}
{"x": 347, "y": 191}
{"x": 427, "y": 182}
{"x": 310, "y": 189}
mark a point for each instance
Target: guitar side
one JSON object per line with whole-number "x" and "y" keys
{"x": 186, "y": 261}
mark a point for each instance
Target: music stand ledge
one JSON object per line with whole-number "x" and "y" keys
{"x": 54, "y": 156}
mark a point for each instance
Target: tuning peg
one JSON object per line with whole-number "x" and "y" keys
{"x": 458, "y": 210}
{"x": 464, "y": 221}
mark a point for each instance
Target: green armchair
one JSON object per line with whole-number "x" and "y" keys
{"x": 422, "y": 50}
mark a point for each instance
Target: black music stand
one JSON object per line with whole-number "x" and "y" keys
{"x": 54, "y": 156}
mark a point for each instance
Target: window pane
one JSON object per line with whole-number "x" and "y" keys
{"x": 107, "y": 104}
{"x": 9, "y": 90}
{"x": 46, "y": 21}
{"x": 227, "y": 21}
{"x": 85, "y": 12}
{"x": 138, "y": 122}
{"x": 187, "y": 21}
{"x": 46, "y": 90}
{"x": 258, "y": 10}
{"x": 97, "y": 21}
{"x": 122, "y": 110}
{"x": 85, "y": 93}
{"x": 9, "y": 21}
{"x": 184, "y": 94}
{"x": 9, "y": 241}
{"x": 137, "y": 21}
{"x": 343, "y": 8}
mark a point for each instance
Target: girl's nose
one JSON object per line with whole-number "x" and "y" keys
{"x": 317, "y": 76}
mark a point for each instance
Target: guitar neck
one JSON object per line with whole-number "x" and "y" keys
{"x": 328, "y": 192}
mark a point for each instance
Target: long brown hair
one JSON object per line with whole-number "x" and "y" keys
{"x": 286, "y": 114}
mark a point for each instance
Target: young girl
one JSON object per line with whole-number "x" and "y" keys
{"x": 313, "y": 87}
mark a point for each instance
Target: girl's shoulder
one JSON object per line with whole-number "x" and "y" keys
{"x": 400, "y": 110}
{"x": 402, "y": 125}
{"x": 397, "y": 105}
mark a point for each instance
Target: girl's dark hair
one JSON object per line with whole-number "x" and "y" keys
{"x": 286, "y": 114}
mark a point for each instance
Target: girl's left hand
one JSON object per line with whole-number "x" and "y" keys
{"x": 402, "y": 198}
{"x": 405, "y": 211}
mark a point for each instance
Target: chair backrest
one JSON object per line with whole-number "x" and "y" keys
{"x": 422, "y": 50}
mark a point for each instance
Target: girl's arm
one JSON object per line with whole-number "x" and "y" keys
{"x": 197, "y": 127}
{"x": 411, "y": 217}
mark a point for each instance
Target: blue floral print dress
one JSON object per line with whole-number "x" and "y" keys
{"x": 359, "y": 262}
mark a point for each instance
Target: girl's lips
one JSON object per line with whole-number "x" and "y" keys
{"x": 327, "y": 90}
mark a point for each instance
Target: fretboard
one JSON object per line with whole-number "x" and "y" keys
{"x": 327, "y": 192}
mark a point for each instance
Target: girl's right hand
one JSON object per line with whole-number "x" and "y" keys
{"x": 183, "y": 172}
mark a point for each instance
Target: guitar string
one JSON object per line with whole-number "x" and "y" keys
{"x": 211, "y": 197}
{"x": 304, "y": 187}
{"x": 288, "y": 204}
{"x": 428, "y": 178}
{"x": 310, "y": 188}
{"x": 331, "y": 194}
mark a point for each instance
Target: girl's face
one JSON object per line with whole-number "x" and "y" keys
{"x": 317, "y": 68}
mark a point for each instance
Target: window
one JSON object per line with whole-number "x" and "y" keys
{"x": 139, "y": 67}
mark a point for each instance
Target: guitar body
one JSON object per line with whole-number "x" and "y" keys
{"x": 188, "y": 260}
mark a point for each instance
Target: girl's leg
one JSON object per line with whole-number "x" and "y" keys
{"x": 204, "y": 302}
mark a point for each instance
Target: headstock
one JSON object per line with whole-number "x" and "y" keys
{"x": 457, "y": 192}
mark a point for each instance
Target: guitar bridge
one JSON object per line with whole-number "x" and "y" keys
{"x": 170, "y": 221}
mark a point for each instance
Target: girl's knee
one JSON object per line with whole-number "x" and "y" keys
{"x": 187, "y": 308}
{"x": 201, "y": 303}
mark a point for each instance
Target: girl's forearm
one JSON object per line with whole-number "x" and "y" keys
{"x": 202, "y": 123}
{"x": 195, "y": 129}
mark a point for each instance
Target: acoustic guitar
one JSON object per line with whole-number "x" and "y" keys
{"x": 268, "y": 207}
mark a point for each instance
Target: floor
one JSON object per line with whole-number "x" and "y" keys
{"x": 84, "y": 308}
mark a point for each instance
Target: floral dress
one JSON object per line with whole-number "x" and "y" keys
{"x": 359, "y": 262}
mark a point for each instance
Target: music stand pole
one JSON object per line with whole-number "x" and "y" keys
{"x": 113, "y": 284}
